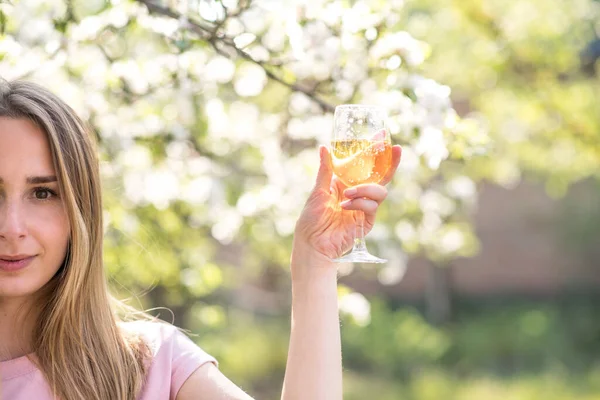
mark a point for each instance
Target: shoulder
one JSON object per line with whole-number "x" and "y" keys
{"x": 167, "y": 341}
{"x": 174, "y": 356}
{"x": 155, "y": 333}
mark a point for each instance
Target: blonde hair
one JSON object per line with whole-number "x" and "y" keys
{"x": 79, "y": 346}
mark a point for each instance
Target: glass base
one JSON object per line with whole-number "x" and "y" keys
{"x": 360, "y": 257}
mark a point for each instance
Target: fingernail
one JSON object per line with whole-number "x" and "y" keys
{"x": 350, "y": 192}
{"x": 345, "y": 203}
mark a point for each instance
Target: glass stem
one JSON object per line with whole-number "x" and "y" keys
{"x": 359, "y": 237}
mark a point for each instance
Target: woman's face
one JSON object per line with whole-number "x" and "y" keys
{"x": 33, "y": 219}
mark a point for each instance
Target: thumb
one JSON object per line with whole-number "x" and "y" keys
{"x": 325, "y": 169}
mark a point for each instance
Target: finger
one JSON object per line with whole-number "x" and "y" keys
{"x": 396, "y": 156}
{"x": 325, "y": 169}
{"x": 370, "y": 191}
{"x": 366, "y": 205}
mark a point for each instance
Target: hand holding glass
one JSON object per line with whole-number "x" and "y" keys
{"x": 361, "y": 151}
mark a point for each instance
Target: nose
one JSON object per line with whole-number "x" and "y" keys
{"x": 12, "y": 221}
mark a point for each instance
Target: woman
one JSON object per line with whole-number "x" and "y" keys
{"x": 60, "y": 336}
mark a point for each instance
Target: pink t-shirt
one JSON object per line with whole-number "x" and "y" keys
{"x": 175, "y": 358}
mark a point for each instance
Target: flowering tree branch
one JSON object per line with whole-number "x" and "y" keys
{"x": 221, "y": 43}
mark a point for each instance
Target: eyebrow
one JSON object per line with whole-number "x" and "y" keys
{"x": 33, "y": 180}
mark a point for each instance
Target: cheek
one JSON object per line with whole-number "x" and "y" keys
{"x": 53, "y": 229}
{"x": 49, "y": 230}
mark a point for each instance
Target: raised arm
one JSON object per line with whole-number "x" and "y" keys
{"x": 325, "y": 230}
{"x": 314, "y": 365}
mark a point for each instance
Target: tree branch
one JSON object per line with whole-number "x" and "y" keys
{"x": 215, "y": 38}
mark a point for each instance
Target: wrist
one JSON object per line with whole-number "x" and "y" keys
{"x": 307, "y": 264}
{"x": 311, "y": 285}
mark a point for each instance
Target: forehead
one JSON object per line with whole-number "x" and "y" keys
{"x": 24, "y": 149}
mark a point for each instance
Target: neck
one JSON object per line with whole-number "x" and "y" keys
{"x": 17, "y": 319}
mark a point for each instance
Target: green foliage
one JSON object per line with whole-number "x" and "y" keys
{"x": 525, "y": 75}
{"x": 253, "y": 358}
{"x": 502, "y": 339}
{"x": 519, "y": 349}
{"x": 435, "y": 384}
{"x": 394, "y": 342}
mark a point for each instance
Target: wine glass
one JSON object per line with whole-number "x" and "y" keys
{"x": 361, "y": 152}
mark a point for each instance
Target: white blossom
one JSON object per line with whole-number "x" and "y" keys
{"x": 451, "y": 241}
{"x": 219, "y": 69}
{"x": 227, "y": 224}
{"x": 462, "y": 187}
{"x": 393, "y": 271}
{"x": 402, "y": 44}
{"x": 250, "y": 81}
{"x": 197, "y": 191}
{"x": 356, "y": 305}
{"x": 432, "y": 145}
{"x": 433, "y": 201}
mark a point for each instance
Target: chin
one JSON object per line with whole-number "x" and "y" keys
{"x": 23, "y": 284}
{"x": 18, "y": 288}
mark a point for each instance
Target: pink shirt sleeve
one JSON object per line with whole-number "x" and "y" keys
{"x": 176, "y": 357}
{"x": 186, "y": 357}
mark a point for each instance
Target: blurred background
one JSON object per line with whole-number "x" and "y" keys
{"x": 208, "y": 115}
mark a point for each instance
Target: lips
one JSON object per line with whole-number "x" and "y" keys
{"x": 17, "y": 257}
{"x": 15, "y": 264}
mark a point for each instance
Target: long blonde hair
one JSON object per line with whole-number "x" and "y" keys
{"x": 79, "y": 346}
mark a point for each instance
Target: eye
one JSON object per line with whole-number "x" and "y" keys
{"x": 44, "y": 193}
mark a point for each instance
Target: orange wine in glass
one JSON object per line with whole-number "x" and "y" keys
{"x": 361, "y": 151}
